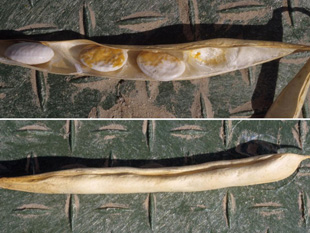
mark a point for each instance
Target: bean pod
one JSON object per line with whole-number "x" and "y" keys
{"x": 119, "y": 180}
{"x": 157, "y": 62}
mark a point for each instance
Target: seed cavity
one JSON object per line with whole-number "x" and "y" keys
{"x": 207, "y": 56}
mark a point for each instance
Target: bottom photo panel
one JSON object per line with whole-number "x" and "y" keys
{"x": 155, "y": 176}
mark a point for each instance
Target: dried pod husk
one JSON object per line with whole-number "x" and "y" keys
{"x": 119, "y": 180}
{"x": 201, "y": 59}
{"x": 291, "y": 99}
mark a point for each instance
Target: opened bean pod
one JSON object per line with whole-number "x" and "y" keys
{"x": 202, "y": 177}
{"x": 157, "y": 62}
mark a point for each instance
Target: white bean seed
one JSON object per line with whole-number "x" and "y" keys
{"x": 29, "y": 53}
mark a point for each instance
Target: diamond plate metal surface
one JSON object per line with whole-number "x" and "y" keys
{"x": 275, "y": 207}
{"x": 244, "y": 93}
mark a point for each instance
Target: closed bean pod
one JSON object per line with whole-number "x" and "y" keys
{"x": 291, "y": 99}
{"x": 155, "y": 62}
{"x": 119, "y": 180}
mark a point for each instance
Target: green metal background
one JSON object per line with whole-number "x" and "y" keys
{"x": 29, "y": 147}
{"x": 249, "y": 92}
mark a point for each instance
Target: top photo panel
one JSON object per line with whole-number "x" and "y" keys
{"x": 154, "y": 59}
